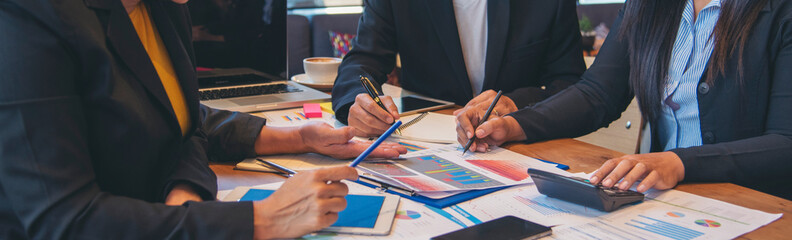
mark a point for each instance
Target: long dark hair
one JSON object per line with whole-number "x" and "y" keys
{"x": 649, "y": 28}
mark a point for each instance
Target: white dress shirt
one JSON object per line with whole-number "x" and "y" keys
{"x": 471, "y": 18}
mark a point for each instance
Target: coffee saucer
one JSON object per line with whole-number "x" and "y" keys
{"x": 305, "y": 80}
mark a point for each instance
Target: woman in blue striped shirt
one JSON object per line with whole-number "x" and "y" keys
{"x": 712, "y": 77}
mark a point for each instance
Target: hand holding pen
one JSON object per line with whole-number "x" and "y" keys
{"x": 372, "y": 114}
{"x": 484, "y": 119}
{"x": 478, "y": 133}
{"x": 286, "y": 172}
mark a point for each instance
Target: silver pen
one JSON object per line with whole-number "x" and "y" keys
{"x": 283, "y": 170}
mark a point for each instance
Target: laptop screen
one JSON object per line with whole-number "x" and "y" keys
{"x": 240, "y": 34}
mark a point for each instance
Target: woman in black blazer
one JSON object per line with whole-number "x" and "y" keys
{"x": 91, "y": 148}
{"x": 738, "y": 129}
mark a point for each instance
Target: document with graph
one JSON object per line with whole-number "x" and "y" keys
{"x": 667, "y": 214}
{"x": 445, "y": 169}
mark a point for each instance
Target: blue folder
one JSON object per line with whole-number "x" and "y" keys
{"x": 442, "y": 202}
{"x": 558, "y": 165}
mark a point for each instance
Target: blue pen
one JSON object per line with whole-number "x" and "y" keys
{"x": 376, "y": 143}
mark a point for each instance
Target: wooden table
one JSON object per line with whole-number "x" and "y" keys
{"x": 584, "y": 157}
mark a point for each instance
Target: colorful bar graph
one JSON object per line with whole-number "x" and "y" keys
{"x": 460, "y": 173}
{"x": 442, "y": 170}
{"x": 474, "y": 181}
{"x": 411, "y": 147}
{"x": 438, "y": 174}
{"x": 463, "y": 178}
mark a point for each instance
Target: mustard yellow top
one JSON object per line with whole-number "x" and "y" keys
{"x": 158, "y": 54}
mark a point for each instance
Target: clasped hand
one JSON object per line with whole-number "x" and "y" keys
{"x": 493, "y": 132}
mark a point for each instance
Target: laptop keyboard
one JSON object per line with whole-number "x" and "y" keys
{"x": 247, "y": 91}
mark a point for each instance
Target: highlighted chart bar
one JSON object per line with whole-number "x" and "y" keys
{"x": 463, "y": 178}
{"x": 442, "y": 170}
{"x": 474, "y": 181}
{"x": 460, "y": 173}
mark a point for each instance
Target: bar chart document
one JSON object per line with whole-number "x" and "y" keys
{"x": 663, "y": 215}
{"x": 445, "y": 169}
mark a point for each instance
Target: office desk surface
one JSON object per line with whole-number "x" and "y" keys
{"x": 584, "y": 157}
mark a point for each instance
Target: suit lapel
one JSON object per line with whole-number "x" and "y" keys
{"x": 442, "y": 15}
{"x": 175, "y": 43}
{"x": 123, "y": 39}
{"x": 497, "y": 34}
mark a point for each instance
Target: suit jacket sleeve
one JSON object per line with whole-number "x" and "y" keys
{"x": 374, "y": 56}
{"x": 595, "y": 101}
{"x": 222, "y": 136}
{"x": 563, "y": 63}
{"x": 46, "y": 166}
{"x": 761, "y": 159}
{"x": 230, "y": 135}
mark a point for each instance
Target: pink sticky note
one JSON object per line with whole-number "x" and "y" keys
{"x": 312, "y": 110}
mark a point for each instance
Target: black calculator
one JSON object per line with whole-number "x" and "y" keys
{"x": 581, "y": 191}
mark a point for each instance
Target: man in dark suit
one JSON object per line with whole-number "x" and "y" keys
{"x": 94, "y": 139}
{"x": 458, "y": 49}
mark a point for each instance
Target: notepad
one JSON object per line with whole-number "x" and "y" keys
{"x": 429, "y": 127}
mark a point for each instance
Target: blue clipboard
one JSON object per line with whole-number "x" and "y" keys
{"x": 441, "y": 202}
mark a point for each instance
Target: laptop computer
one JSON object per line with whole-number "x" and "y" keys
{"x": 240, "y": 51}
{"x": 248, "y": 90}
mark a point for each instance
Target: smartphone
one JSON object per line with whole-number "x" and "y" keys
{"x": 508, "y": 227}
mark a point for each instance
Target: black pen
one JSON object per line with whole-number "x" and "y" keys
{"x": 374, "y": 94}
{"x": 486, "y": 116}
{"x": 386, "y": 186}
{"x": 283, "y": 170}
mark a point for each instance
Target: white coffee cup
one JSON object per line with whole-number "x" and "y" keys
{"x": 321, "y": 69}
